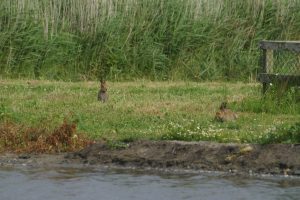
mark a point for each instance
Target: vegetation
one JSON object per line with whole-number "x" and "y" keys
{"x": 180, "y": 42}
{"x": 129, "y": 39}
{"x": 144, "y": 110}
{"x": 20, "y": 138}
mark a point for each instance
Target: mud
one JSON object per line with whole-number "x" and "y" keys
{"x": 277, "y": 159}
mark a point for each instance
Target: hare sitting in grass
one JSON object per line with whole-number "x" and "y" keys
{"x": 102, "y": 94}
{"x": 225, "y": 114}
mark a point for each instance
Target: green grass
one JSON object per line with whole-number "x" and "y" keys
{"x": 141, "y": 39}
{"x": 153, "y": 110}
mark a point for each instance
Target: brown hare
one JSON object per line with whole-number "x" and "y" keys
{"x": 102, "y": 94}
{"x": 225, "y": 114}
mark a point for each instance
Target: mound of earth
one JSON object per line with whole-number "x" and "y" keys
{"x": 277, "y": 159}
{"x": 243, "y": 158}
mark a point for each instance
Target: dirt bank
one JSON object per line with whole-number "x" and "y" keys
{"x": 240, "y": 158}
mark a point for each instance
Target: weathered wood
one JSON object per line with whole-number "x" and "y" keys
{"x": 273, "y": 78}
{"x": 263, "y": 64}
{"x": 269, "y": 60}
{"x": 267, "y": 76}
{"x": 285, "y": 45}
{"x": 298, "y": 65}
{"x": 264, "y": 61}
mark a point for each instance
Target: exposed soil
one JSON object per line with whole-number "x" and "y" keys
{"x": 238, "y": 158}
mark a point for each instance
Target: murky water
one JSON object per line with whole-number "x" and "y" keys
{"x": 108, "y": 184}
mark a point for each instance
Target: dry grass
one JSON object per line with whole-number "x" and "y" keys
{"x": 17, "y": 138}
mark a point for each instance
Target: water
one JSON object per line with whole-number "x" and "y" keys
{"x": 111, "y": 184}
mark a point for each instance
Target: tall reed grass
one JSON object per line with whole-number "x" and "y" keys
{"x": 128, "y": 39}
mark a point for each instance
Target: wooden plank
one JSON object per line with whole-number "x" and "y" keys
{"x": 273, "y": 78}
{"x": 298, "y": 65}
{"x": 285, "y": 45}
{"x": 263, "y": 62}
{"x": 269, "y": 61}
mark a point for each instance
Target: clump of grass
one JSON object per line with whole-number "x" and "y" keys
{"x": 191, "y": 130}
{"x": 194, "y": 132}
{"x": 117, "y": 144}
{"x": 17, "y": 138}
{"x": 282, "y": 134}
{"x": 275, "y": 101}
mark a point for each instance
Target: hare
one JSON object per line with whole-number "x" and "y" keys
{"x": 102, "y": 94}
{"x": 225, "y": 114}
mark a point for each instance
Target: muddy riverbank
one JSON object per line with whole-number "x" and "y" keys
{"x": 277, "y": 159}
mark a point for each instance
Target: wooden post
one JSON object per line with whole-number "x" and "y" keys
{"x": 264, "y": 68}
{"x": 269, "y": 61}
{"x": 298, "y": 65}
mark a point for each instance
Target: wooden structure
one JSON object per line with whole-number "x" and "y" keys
{"x": 268, "y": 75}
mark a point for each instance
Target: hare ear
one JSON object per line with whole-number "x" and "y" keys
{"x": 223, "y": 105}
{"x": 102, "y": 79}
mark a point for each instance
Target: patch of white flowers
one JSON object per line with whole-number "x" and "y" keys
{"x": 191, "y": 130}
{"x": 270, "y": 129}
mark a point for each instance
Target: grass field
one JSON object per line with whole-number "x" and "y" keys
{"x": 177, "y": 44}
{"x": 153, "y": 110}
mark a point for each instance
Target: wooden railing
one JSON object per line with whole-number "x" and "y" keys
{"x": 268, "y": 75}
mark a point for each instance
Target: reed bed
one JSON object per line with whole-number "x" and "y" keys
{"x": 129, "y": 39}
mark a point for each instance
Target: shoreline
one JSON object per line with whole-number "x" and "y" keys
{"x": 273, "y": 159}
